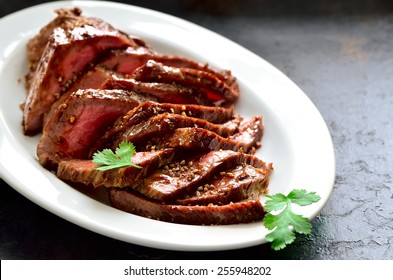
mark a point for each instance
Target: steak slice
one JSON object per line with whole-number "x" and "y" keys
{"x": 163, "y": 124}
{"x": 236, "y": 213}
{"x": 72, "y": 46}
{"x": 127, "y": 61}
{"x": 240, "y": 183}
{"x": 79, "y": 121}
{"x": 146, "y": 110}
{"x": 164, "y": 92}
{"x": 247, "y": 139}
{"x": 214, "y": 89}
{"x": 149, "y": 109}
{"x": 185, "y": 176}
{"x": 85, "y": 172}
{"x": 37, "y": 44}
{"x": 96, "y": 78}
{"x": 100, "y": 78}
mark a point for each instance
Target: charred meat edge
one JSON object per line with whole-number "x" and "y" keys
{"x": 236, "y": 213}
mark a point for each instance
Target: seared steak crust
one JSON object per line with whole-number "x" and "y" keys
{"x": 235, "y": 213}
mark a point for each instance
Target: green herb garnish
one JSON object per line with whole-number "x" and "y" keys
{"x": 107, "y": 159}
{"x": 281, "y": 222}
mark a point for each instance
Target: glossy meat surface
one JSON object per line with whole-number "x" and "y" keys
{"x": 74, "y": 42}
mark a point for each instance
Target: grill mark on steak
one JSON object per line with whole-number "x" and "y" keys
{"x": 185, "y": 176}
{"x": 236, "y": 213}
{"x": 85, "y": 172}
{"x": 240, "y": 183}
{"x": 77, "y": 123}
{"x": 72, "y": 46}
{"x": 215, "y": 89}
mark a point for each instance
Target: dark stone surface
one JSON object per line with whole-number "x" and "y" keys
{"x": 341, "y": 54}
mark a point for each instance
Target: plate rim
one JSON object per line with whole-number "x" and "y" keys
{"x": 14, "y": 182}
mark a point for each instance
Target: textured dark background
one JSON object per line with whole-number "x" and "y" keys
{"x": 341, "y": 54}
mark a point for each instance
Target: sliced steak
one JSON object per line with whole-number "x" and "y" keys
{"x": 247, "y": 139}
{"x": 215, "y": 90}
{"x": 184, "y": 177}
{"x": 150, "y": 109}
{"x": 217, "y": 115}
{"x": 79, "y": 121}
{"x": 250, "y": 134}
{"x": 91, "y": 86}
{"x": 240, "y": 183}
{"x": 85, "y": 172}
{"x": 96, "y": 78}
{"x": 65, "y": 19}
{"x": 73, "y": 45}
{"x": 99, "y": 78}
{"x": 37, "y": 44}
{"x": 163, "y": 124}
{"x": 236, "y": 213}
{"x": 127, "y": 61}
{"x": 164, "y": 92}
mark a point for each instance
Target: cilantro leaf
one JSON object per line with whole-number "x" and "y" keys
{"x": 302, "y": 198}
{"x": 281, "y": 236}
{"x": 107, "y": 159}
{"x": 276, "y": 202}
{"x": 281, "y": 223}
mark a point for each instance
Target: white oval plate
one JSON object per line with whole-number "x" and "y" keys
{"x": 296, "y": 138}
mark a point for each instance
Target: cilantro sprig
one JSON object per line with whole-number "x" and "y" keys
{"x": 281, "y": 234}
{"x": 107, "y": 159}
